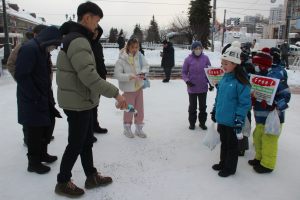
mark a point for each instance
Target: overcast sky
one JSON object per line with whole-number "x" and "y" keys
{"x": 126, "y": 13}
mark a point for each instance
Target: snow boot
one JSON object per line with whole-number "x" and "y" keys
{"x": 100, "y": 130}
{"x": 68, "y": 189}
{"x": 218, "y": 167}
{"x": 225, "y": 173}
{"x": 261, "y": 169}
{"x": 203, "y": 126}
{"x": 96, "y": 180}
{"x": 192, "y": 127}
{"x": 139, "y": 131}
{"x": 254, "y": 162}
{"x": 35, "y": 165}
{"x": 127, "y": 131}
{"x": 45, "y": 157}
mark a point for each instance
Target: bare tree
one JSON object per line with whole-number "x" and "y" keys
{"x": 181, "y": 25}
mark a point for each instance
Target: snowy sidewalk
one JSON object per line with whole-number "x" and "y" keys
{"x": 171, "y": 164}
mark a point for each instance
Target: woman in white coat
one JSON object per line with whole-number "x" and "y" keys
{"x": 130, "y": 70}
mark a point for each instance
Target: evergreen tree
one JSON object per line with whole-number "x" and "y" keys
{"x": 199, "y": 19}
{"x": 153, "y": 32}
{"x": 113, "y": 35}
{"x": 138, "y": 33}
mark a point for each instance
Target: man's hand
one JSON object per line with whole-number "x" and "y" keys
{"x": 121, "y": 102}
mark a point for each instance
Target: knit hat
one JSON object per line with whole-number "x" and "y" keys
{"x": 89, "y": 7}
{"x": 275, "y": 53}
{"x": 233, "y": 53}
{"x": 196, "y": 44}
{"x": 263, "y": 59}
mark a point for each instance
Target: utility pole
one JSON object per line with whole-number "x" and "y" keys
{"x": 288, "y": 20}
{"x": 224, "y": 28}
{"x": 6, "y": 38}
{"x": 213, "y": 26}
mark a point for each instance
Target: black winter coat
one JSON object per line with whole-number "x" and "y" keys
{"x": 34, "y": 86}
{"x": 121, "y": 42}
{"x": 98, "y": 53}
{"x": 168, "y": 56}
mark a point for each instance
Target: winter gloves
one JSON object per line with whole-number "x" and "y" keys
{"x": 211, "y": 88}
{"x": 238, "y": 125}
{"x": 281, "y": 104}
{"x": 190, "y": 84}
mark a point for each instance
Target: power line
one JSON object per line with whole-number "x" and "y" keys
{"x": 143, "y": 2}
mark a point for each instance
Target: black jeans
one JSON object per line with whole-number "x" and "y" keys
{"x": 95, "y": 117}
{"x": 38, "y": 138}
{"x": 229, "y": 148}
{"x": 80, "y": 142}
{"x": 193, "y": 108}
{"x": 285, "y": 59}
{"x": 167, "y": 71}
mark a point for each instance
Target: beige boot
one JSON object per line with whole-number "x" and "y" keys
{"x": 127, "y": 131}
{"x": 139, "y": 131}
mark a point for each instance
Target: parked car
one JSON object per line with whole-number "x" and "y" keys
{"x": 294, "y": 50}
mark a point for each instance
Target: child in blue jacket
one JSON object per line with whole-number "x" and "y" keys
{"x": 268, "y": 64}
{"x": 232, "y": 104}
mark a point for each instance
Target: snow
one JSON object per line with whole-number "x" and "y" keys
{"x": 171, "y": 164}
{"x": 23, "y": 15}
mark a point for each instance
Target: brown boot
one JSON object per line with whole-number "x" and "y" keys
{"x": 68, "y": 189}
{"x": 97, "y": 180}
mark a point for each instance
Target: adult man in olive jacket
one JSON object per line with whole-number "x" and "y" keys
{"x": 79, "y": 87}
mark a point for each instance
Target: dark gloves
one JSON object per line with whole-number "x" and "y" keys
{"x": 211, "y": 88}
{"x": 213, "y": 114}
{"x": 281, "y": 105}
{"x": 190, "y": 84}
{"x": 238, "y": 125}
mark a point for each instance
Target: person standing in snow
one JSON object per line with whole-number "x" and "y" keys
{"x": 266, "y": 145}
{"x": 121, "y": 40}
{"x": 130, "y": 71}
{"x": 101, "y": 69}
{"x": 197, "y": 83}
{"x": 232, "y": 104}
{"x": 36, "y": 105}
{"x": 248, "y": 67}
{"x": 168, "y": 60}
{"x": 285, "y": 51}
{"x": 79, "y": 87}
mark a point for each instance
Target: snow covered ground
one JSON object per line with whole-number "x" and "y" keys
{"x": 171, "y": 164}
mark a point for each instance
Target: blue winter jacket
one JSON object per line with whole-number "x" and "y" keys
{"x": 233, "y": 100}
{"x": 282, "y": 93}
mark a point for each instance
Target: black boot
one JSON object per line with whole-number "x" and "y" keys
{"x": 203, "y": 126}
{"x": 218, "y": 167}
{"x": 261, "y": 169}
{"x": 34, "y": 165}
{"x": 45, "y": 157}
{"x": 100, "y": 130}
{"x": 254, "y": 162}
{"x": 166, "y": 80}
{"x": 192, "y": 127}
{"x": 48, "y": 158}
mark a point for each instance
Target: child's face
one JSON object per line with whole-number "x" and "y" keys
{"x": 133, "y": 48}
{"x": 228, "y": 66}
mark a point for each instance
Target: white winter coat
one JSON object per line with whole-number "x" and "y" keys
{"x": 123, "y": 71}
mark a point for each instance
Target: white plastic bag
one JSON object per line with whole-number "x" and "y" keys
{"x": 272, "y": 125}
{"x": 212, "y": 137}
{"x": 246, "y": 128}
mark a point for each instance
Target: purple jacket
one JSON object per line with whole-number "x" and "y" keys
{"x": 193, "y": 71}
